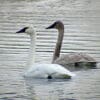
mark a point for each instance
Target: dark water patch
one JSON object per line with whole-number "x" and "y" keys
{"x": 6, "y": 98}
{"x": 14, "y": 84}
{"x": 21, "y": 96}
{"x": 67, "y": 99}
{"x": 9, "y": 93}
{"x": 70, "y": 93}
{"x": 15, "y": 97}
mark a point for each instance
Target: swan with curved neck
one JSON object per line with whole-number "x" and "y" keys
{"x": 31, "y": 32}
{"x": 57, "y": 25}
{"x": 42, "y": 70}
{"x": 73, "y": 59}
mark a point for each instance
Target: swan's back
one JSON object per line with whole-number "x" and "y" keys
{"x": 46, "y": 70}
{"x": 76, "y": 60}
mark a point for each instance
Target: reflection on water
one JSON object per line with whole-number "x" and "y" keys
{"x": 81, "y": 19}
{"x": 82, "y": 87}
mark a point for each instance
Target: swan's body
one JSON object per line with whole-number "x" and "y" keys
{"x": 42, "y": 70}
{"x": 75, "y": 60}
{"x": 48, "y": 71}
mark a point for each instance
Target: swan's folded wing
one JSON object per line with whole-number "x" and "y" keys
{"x": 45, "y": 70}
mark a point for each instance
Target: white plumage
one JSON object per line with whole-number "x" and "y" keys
{"x": 45, "y": 70}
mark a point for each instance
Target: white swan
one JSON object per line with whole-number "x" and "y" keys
{"x": 42, "y": 70}
{"x": 77, "y": 60}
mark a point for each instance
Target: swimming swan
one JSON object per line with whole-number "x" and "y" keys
{"x": 48, "y": 71}
{"x": 72, "y": 59}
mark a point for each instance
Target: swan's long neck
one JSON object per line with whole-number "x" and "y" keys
{"x": 32, "y": 50}
{"x": 58, "y": 44}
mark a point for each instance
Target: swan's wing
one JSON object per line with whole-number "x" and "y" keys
{"x": 60, "y": 69}
{"x": 36, "y": 70}
{"x": 44, "y": 70}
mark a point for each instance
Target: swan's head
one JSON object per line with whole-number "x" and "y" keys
{"x": 28, "y": 30}
{"x": 56, "y": 25}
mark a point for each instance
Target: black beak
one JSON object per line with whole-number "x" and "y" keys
{"x": 51, "y": 26}
{"x": 22, "y": 30}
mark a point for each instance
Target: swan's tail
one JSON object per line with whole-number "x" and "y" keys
{"x": 70, "y": 73}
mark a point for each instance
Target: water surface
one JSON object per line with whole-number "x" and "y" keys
{"x": 82, "y": 21}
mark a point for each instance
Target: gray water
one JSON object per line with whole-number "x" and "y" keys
{"x": 82, "y": 34}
